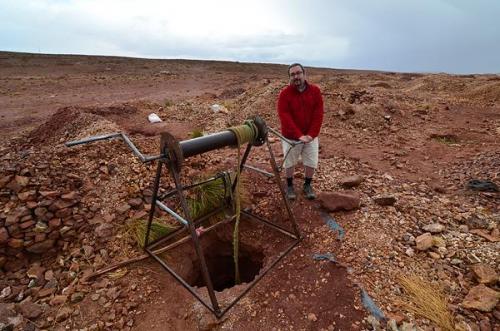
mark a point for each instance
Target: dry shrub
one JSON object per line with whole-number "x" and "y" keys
{"x": 207, "y": 197}
{"x": 137, "y": 230}
{"x": 426, "y": 300}
{"x": 196, "y": 133}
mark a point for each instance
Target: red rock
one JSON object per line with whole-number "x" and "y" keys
{"x": 58, "y": 300}
{"x": 40, "y": 237}
{"x": 62, "y": 213}
{"x": 16, "y": 243}
{"x": 45, "y": 203}
{"x": 11, "y": 219}
{"x": 63, "y": 314}
{"x": 424, "y": 241}
{"x": 41, "y": 247}
{"x": 484, "y": 273}
{"x": 15, "y": 264}
{"x": 123, "y": 208}
{"x": 351, "y": 181}
{"x": 135, "y": 203}
{"x": 35, "y": 271}
{"x": 41, "y": 212}
{"x": 104, "y": 230}
{"x": 18, "y": 183}
{"x": 49, "y": 194}
{"x": 485, "y": 235}
{"x": 45, "y": 292}
{"x": 61, "y": 204}
{"x": 4, "y": 235}
{"x": 88, "y": 250}
{"x": 485, "y": 325}
{"x": 54, "y": 235}
{"x": 49, "y": 275}
{"x": 54, "y": 223}
{"x": 29, "y": 309}
{"x": 32, "y": 204}
{"x": 17, "y": 215}
{"x": 71, "y": 196}
{"x": 140, "y": 214}
{"x": 3, "y": 259}
{"x": 385, "y": 200}
{"x": 26, "y": 218}
{"x": 13, "y": 229}
{"x": 481, "y": 298}
{"x": 28, "y": 195}
{"x": 5, "y": 180}
{"x": 342, "y": 200}
{"x": 398, "y": 317}
{"x": 27, "y": 224}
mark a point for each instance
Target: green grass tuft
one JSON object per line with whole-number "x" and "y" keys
{"x": 196, "y": 133}
{"x": 137, "y": 229}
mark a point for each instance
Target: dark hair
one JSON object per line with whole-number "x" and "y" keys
{"x": 295, "y": 65}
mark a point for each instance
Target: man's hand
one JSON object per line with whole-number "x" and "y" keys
{"x": 306, "y": 139}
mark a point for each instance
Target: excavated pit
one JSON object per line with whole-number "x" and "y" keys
{"x": 220, "y": 263}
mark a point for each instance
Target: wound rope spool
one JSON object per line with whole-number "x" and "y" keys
{"x": 246, "y": 133}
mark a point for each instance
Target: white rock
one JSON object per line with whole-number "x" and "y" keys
{"x": 424, "y": 241}
{"x": 434, "y": 228}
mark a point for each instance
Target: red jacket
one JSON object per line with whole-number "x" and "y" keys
{"x": 300, "y": 113}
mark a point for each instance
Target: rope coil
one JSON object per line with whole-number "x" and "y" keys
{"x": 246, "y": 133}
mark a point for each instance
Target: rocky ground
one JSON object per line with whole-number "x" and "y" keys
{"x": 398, "y": 151}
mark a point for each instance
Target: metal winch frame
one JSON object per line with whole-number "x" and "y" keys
{"x": 172, "y": 155}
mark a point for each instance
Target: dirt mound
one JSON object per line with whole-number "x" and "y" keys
{"x": 488, "y": 92}
{"x": 121, "y": 110}
{"x": 70, "y": 123}
{"x": 232, "y": 93}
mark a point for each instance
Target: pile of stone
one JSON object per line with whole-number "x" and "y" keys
{"x": 36, "y": 219}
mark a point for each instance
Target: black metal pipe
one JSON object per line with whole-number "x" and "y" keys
{"x": 208, "y": 143}
{"x": 222, "y": 139}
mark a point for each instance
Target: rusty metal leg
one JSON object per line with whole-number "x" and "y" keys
{"x": 156, "y": 187}
{"x": 282, "y": 191}
{"x": 241, "y": 165}
{"x": 196, "y": 241}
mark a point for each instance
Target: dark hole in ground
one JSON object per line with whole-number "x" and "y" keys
{"x": 220, "y": 263}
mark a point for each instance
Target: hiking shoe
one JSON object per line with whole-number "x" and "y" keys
{"x": 309, "y": 193}
{"x": 290, "y": 193}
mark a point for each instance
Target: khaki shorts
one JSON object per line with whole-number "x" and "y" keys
{"x": 307, "y": 152}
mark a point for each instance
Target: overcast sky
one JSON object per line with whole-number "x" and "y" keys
{"x": 454, "y": 36}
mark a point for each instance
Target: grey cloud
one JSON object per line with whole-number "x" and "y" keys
{"x": 429, "y": 35}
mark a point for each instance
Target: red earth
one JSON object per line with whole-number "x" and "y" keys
{"x": 432, "y": 130}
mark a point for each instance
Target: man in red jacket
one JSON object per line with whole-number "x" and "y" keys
{"x": 300, "y": 109}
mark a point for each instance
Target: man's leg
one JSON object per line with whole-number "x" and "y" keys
{"x": 309, "y": 171}
{"x": 291, "y": 159}
{"x": 290, "y": 192}
{"x": 310, "y": 157}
